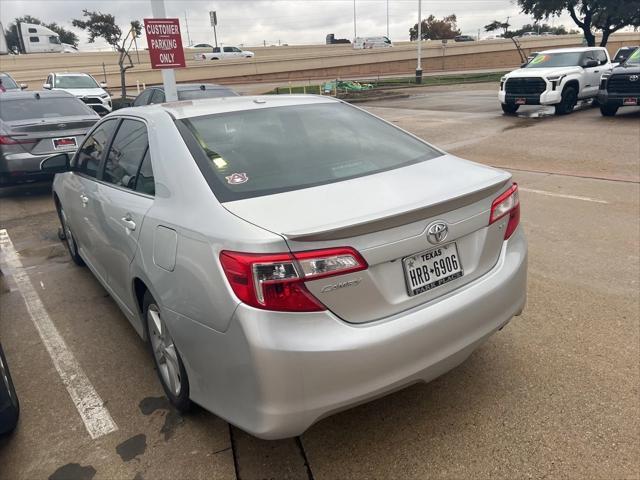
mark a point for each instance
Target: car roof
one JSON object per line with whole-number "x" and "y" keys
{"x": 195, "y": 86}
{"x": 573, "y": 50}
{"x": 33, "y": 94}
{"x": 70, "y": 74}
{"x": 211, "y": 106}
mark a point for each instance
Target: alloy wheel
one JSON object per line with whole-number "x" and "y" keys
{"x": 164, "y": 350}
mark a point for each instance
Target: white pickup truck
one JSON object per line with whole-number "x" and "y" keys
{"x": 558, "y": 77}
{"x": 223, "y": 53}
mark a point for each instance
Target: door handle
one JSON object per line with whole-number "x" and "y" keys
{"x": 596, "y": 71}
{"x": 128, "y": 222}
{"x": 84, "y": 199}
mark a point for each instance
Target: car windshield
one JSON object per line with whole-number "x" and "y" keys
{"x": 8, "y": 82}
{"x": 550, "y": 60}
{"x": 271, "y": 150}
{"x": 32, "y": 108}
{"x": 208, "y": 93}
{"x": 75, "y": 81}
{"x": 634, "y": 58}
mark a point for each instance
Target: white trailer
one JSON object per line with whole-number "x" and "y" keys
{"x": 3, "y": 41}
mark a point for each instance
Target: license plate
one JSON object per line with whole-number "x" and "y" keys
{"x": 630, "y": 101}
{"x": 63, "y": 143}
{"x": 427, "y": 270}
{"x": 521, "y": 101}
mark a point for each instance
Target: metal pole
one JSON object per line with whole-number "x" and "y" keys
{"x": 186, "y": 23}
{"x": 168, "y": 74}
{"x": 215, "y": 36}
{"x": 419, "y": 66}
{"x": 355, "y": 31}
{"x": 387, "y": 18}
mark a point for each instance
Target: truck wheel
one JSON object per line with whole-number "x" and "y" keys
{"x": 608, "y": 110}
{"x": 510, "y": 108}
{"x": 568, "y": 101}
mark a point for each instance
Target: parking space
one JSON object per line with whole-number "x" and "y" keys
{"x": 553, "y": 394}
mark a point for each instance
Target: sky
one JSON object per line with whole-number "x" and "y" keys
{"x": 256, "y": 22}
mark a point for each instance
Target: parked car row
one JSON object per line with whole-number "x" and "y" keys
{"x": 562, "y": 77}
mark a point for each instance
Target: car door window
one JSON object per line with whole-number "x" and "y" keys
{"x": 90, "y": 154}
{"x": 158, "y": 96}
{"x": 228, "y": 49}
{"x": 143, "y": 98}
{"x": 145, "y": 181}
{"x": 126, "y": 153}
{"x": 601, "y": 57}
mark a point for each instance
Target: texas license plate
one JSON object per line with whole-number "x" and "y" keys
{"x": 521, "y": 101}
{"x": 63, "y": 143}
{"x": 630, "y": 101}
{"x": 427, "y": 270}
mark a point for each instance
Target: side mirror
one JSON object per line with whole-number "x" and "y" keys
{"x": 56, "y": 163}
{"x": 103, "y": 84}
{"x": 46, "y": 86}
{"x": 23, "y": 86}
{"x": 590, "y": 64}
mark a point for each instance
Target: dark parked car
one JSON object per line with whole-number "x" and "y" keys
{"x": 36, "y": 125}
{"x": 10, "y": 84}
{"x": 186, "y": 91}
{"x": 621, "y": 86}
{"x": 464, "y": 38}
{"x": 9, "y": 406}
{"x": 623, "y": 53}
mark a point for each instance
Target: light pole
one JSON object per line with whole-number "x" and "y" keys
{"x": 355, "y": 30}
{"x": 168, "y": 74}
{"x": 387, "y": 18}
{"x": 419, "y": 66}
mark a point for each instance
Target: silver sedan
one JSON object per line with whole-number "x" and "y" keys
{"x": 288, "y": 257}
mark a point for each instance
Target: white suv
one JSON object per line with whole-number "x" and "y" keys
{"x": 82, "y": 86}
{"x": 558, "y": 77}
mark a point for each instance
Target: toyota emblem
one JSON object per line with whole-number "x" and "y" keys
{"x": 437, "y": 232}
{"x": 634, "y": 78}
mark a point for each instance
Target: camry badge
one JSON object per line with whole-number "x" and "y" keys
{"x": 62, "y": 125}
{"x": 437, "y": 232}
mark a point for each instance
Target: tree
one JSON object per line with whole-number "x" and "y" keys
{"x": 13, "y": 39}
{"x": 540, "y": 28}
{"x": 103, "y": 25}
{"x": 497, "y": 25}
{"x": 609, "y": 16}
{"x": 435, "y": 29}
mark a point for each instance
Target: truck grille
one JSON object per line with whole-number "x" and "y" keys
{"x": 91, "y": 101}
{"x": 623, "y": 84}
{"x": 526, "y": 86}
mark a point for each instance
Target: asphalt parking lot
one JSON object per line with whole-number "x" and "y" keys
{"x": 554, "y": 394}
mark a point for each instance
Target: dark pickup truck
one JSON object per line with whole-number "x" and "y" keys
{"x": 621, "y": 86}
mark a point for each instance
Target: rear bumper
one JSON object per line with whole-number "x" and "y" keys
{"x": 275, "y": 374}
{"x": 23, "y": 167}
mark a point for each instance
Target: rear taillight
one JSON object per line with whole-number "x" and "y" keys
{"x": 507, "y": 203}
{"x": 5, "y": 140}
{"x": 276, "y": 281}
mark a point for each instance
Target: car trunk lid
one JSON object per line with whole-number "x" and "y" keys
{"x": 385, "y": 217}
{"x": 37, "y": 136}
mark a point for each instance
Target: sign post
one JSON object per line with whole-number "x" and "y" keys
{"x": 214, "y": 22}
{"x": 165, "y": 47}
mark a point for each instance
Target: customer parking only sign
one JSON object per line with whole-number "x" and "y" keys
{"x": 165, "y": 43}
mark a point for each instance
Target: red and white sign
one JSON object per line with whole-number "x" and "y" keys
{"x": 165, "y": 42}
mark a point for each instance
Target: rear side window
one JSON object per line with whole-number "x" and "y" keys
{"x": 32, "y": 108}
{"x": 270, "y": 150}
{"x": 90, "y": 154}
{"x": 143, "y": 98}
{"x": 145, "y": 182}
{"x": 126, "y": 154}
{"x": 158, "y": 96}
{"x": 34, "y": 39}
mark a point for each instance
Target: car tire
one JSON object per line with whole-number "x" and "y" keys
{"x": 9, "y": 415}
{"x": 169, "y": 366}
{"x": 66, "y": 235}
{"x": 568, "y": 101}
{"x": 510, "y": 108}
{"x": 608, "y": 110}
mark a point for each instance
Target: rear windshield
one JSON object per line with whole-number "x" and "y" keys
{"x": 32, "y": 108}
{"x": 8, "y": 82}
{"x": 209, "y": 93}
{"x": 548, "y": 60}
{"x": 75, "y": 81}
{"x": 261, "y": 152}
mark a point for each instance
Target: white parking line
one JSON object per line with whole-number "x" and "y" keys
{"x": 561, "y": 195}
{"x": 90, "y": 406}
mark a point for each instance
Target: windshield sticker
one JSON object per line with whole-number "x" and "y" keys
{"x": 237, "y": 178}
{"x": 540, "y": 59}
